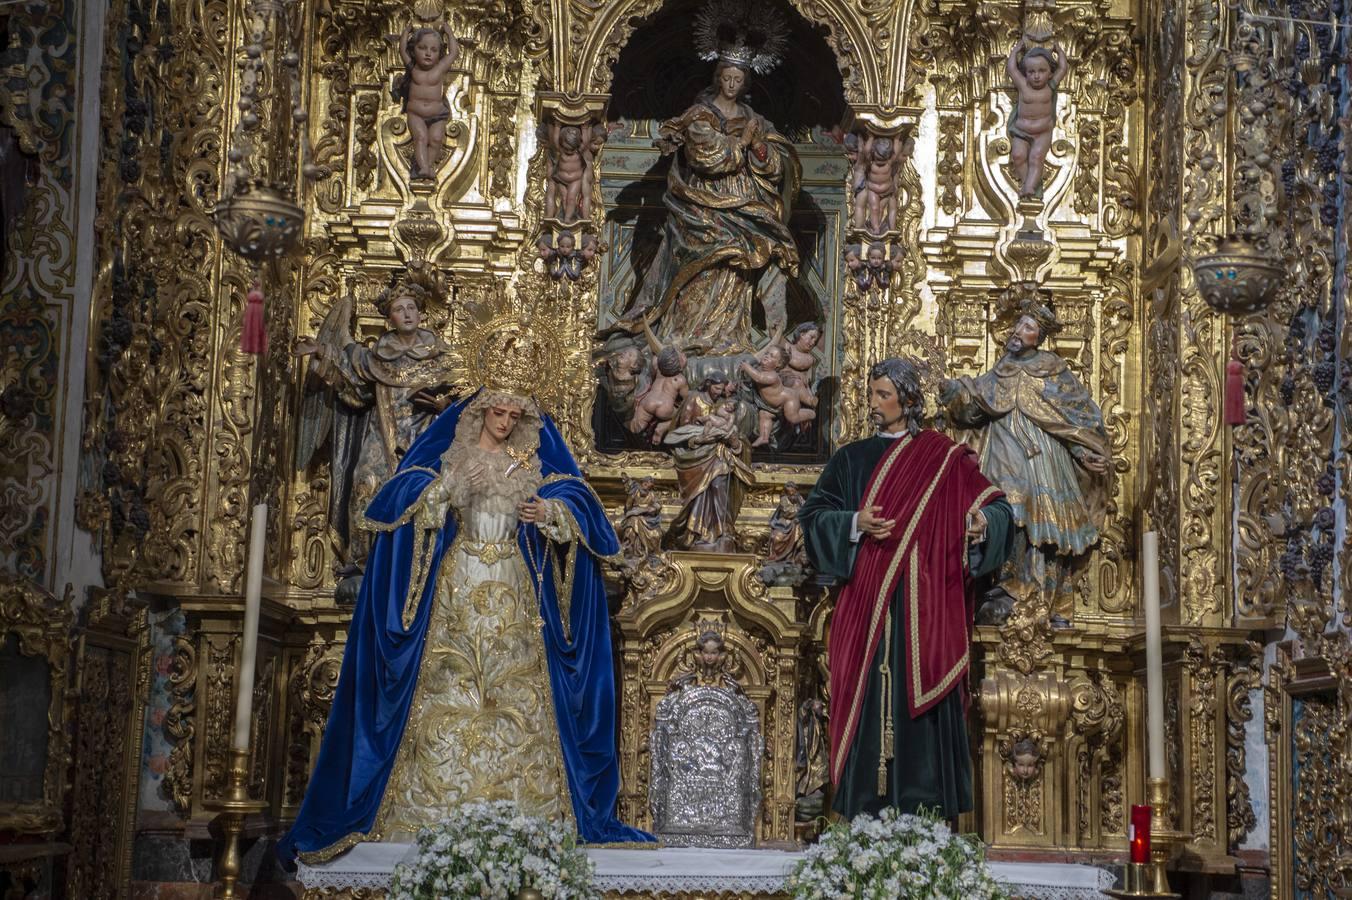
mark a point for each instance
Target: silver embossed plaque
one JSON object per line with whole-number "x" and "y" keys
{"x": 705, "y": 789}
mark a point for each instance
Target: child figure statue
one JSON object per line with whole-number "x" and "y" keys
{"x": 1036, "y": 77}
{"x": 720, "y": 422}
{"x": 568, "y": 189}
{"x": 428, "y": 54}
{"x": 773, "y": 397}
{"x": 798, "y": 373}
{"x": 657, "y": 405}
{"x": 875, "y": 184}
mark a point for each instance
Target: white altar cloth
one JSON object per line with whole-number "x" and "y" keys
{"x": 686, "y": 869}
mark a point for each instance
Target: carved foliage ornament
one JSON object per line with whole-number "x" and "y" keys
{"x": 40, "y": 625}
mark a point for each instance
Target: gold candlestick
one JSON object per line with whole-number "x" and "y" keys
{"x": 1152, "y": 879}
{"x": 234, "y": 810}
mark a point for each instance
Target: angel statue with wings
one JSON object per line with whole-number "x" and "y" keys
{"x": 371, "y": 401}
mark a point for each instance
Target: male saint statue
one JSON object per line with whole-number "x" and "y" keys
{"x": 906, "y": 519}
{"x": 1040, "y": 438}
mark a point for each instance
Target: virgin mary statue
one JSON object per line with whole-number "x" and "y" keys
{"x": 729, "y": 193}
{"x": 478, "y": 664}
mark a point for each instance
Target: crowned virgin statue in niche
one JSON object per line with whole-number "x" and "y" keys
{"x": 478, "y": 664}
{"x": 726, "y": 242}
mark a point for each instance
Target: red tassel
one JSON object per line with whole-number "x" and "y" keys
{"x": 253, "y": 336}
{"x": 1235, "y": 413}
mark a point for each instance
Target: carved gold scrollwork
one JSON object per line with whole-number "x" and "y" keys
{"x": 218, "y": 682}
{"x": 1023, "y": 717}
{"x": 310, "y": 696}
{"x": 1202, "y": 664}
{"x": 883, "y": 81}
{"x": 180, "y": 725}
{"x": 952, "y": 142}
{"x": 1245, "y": 678}
{"x": 40, "y": 625}
{"x": 1098, "y": 717}
{"x": 113, "y": 672}
{"x": 1203, "y": 487}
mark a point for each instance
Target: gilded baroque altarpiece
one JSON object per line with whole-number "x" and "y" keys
{"x": 1175, "y": 125}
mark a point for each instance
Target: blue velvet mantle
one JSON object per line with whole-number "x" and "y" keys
{"x": 381, "y": 661}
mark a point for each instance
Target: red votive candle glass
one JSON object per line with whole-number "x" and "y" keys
{"x": 1138, "y": 833}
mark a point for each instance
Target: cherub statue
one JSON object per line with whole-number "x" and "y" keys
{"x": 870, "y": 267}
{"x": 802, "y": 361}
{"x": 641, "y": 525}
{"x": 598, "y": 135}
{"x": 1036, "y": 77}
{"x": 875, "y": 184}
{"x": 567, "y": 260}
{"x": 854, "y": 264}
{"x": 428, "y": 54}
{"x": 878, "y": 265}
{"x": 712, "y": 666}
{"x": 656, "y": 406}
{"x": 720, "y": 421}
{"x": 1025, "y": 759}
{"x": 798, "y": 373}
{"x": 568, "y": 189}
{"x": 849, "y": 142}
{"x": 773, "y": 398}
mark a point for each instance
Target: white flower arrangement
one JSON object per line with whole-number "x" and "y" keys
{"x": 493, "y": 850}
{"x": 894, "y": 857}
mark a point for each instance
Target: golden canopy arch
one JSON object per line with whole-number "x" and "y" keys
{"x": 873, "y": 41}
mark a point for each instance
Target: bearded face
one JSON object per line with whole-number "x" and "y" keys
{"x": 1025, "y": 336}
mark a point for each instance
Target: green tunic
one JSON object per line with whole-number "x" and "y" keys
{"x": 932, "y": 759}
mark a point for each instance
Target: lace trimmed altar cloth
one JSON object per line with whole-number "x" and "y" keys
{"x": 671, "y": 870}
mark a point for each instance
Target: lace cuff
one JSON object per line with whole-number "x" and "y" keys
{"x": 558, "y": 524}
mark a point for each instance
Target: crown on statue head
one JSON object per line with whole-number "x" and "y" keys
{"x": 509, "y": 351}
{"x": 751, "y": 35}
{"x": 741, "y": 57}
{"x": 513, "y": 360}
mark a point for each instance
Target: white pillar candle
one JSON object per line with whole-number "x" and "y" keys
{"x": 253, "y": 596}
{"x": 1154, "y": 655}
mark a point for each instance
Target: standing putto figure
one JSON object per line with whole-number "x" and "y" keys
{"x": 571, "y": 153}
{"x": 374, "y": 401}
{"x": 422, "y": 91}
{"x": 478, "y": 665}
{"x": 726, "y": 241}
{"x": 1036, "y": 77}
{"x": 876, "y": 168}
{"x": 1041, "y": 440}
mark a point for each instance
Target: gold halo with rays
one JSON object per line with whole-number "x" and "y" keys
{"x": 502, "y": 346}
